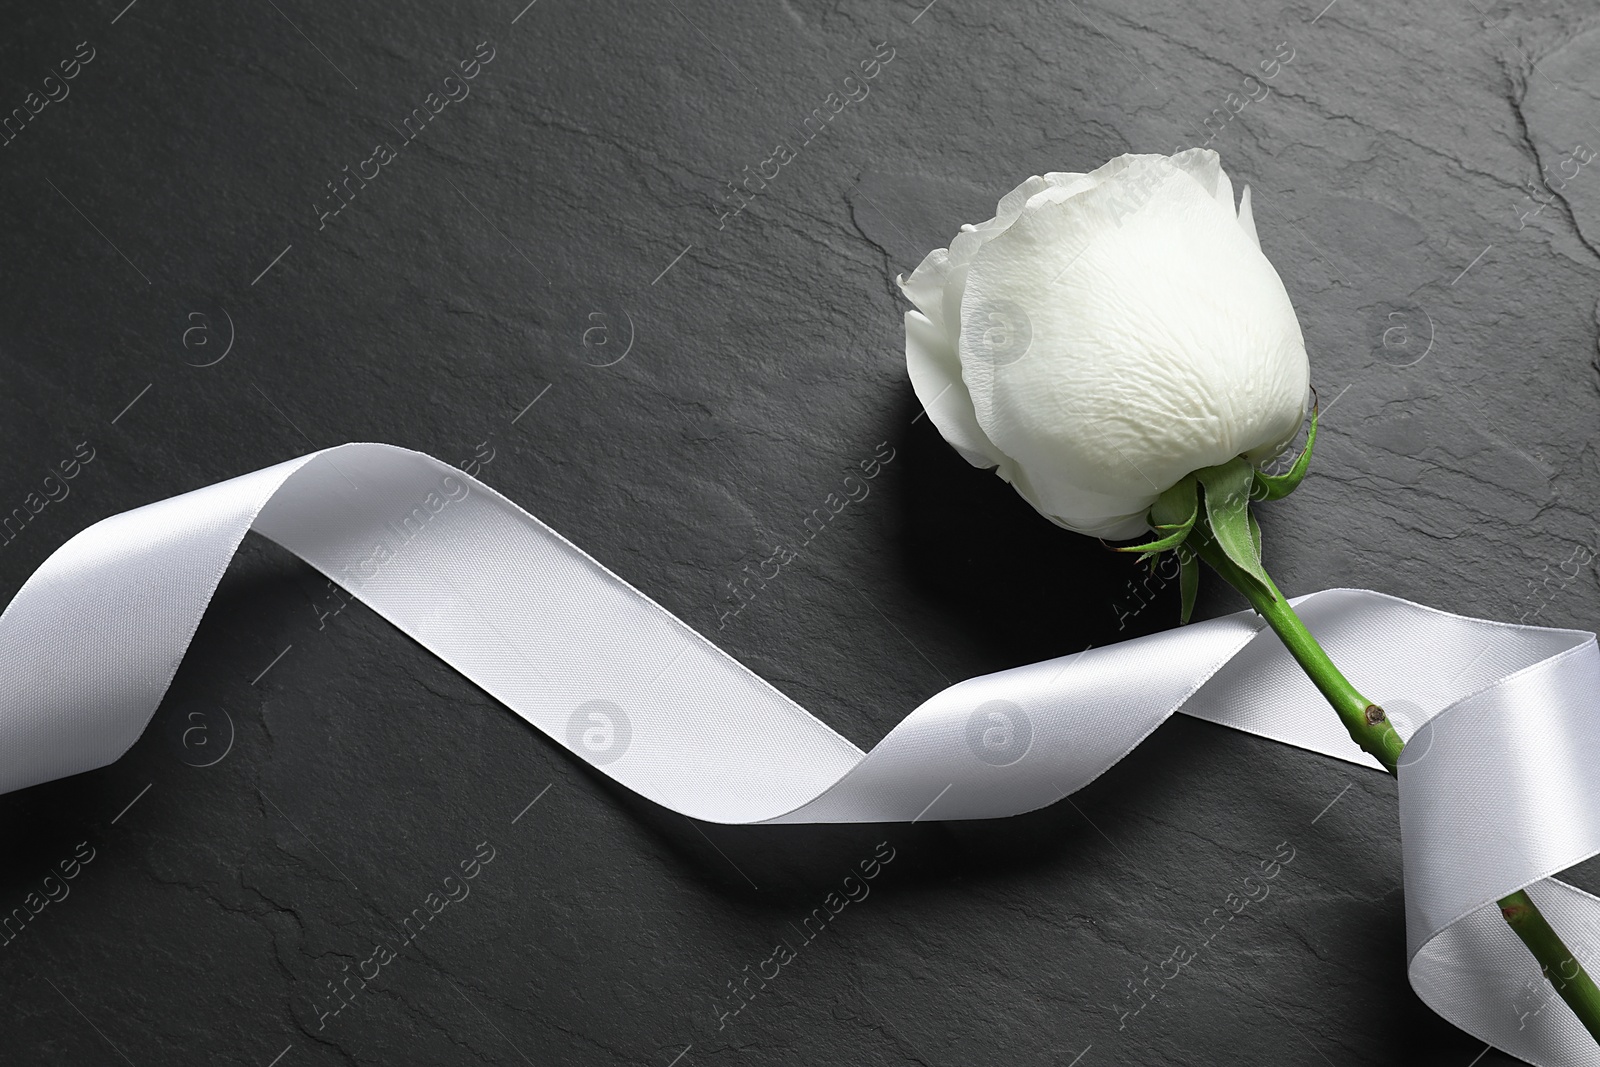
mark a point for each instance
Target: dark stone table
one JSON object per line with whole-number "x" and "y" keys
{"x": 556, "y": 287}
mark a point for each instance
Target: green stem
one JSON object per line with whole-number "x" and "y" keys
{"x": 1561, "y": 968}
{"x": 1371, "y": 729}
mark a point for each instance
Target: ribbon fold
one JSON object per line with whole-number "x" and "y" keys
{"x": 1497, "y": 785}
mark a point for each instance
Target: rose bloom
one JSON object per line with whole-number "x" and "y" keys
{"x": 1106, "y": 334}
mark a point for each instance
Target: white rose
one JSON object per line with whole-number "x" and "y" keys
{"x": 1105, "y": 335}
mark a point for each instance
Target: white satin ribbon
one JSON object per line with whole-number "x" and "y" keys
{"x": 1498, "y": 789}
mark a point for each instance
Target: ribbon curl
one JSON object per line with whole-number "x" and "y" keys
{"x": 1497, "y": 784}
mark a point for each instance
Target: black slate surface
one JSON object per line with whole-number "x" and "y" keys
{"x": 697, "y": 386}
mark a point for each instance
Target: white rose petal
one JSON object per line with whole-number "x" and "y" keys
{"x": 1105, "y": 335}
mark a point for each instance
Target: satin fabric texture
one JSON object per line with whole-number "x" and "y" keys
{"x": 1499, "y": 785}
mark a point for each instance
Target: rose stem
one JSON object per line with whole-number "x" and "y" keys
{"x": 1371, "y": 729}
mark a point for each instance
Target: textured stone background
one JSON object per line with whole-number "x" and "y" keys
{"x": 569, "y": 206}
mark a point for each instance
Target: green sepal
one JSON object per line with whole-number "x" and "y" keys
{"x": 1278, "y": 486}
{"x": 1188, "y": 582}
{"x": 1177, "y": 505}
{"x": 1174, "y": 532}
{"x": 1255, "y": 534}
{"x": 1227, "y": 496}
